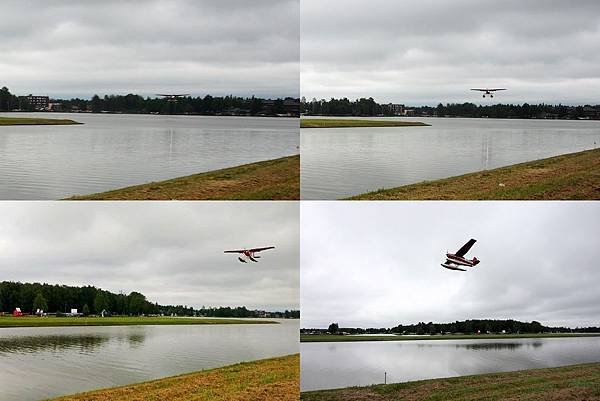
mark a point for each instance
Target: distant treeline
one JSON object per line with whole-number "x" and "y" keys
{"x": 343, "y": 107}
{"x": 30, "y": 297}
{"x": 131, "y": 103}
{"x": 368, "y": 107}
{"x": 459, "y": 327}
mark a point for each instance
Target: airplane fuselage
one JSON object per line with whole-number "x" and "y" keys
{"x": 248, "y": 255}
{"x": 458, "y": 260}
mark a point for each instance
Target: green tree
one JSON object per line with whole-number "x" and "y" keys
{"x": 333, "y": 328}
{"x": 100, "y": 302}
{"x": 137, "y": 303}
{"x": 40, "y": 303}
{"x": 85, "y": 310}
{"x": 96, "y": 104}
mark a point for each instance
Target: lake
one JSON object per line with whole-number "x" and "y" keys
{"x": 340, "y": 162}
{"x": 39, "y": 363}
{"x": 111, "y": 151}
{"x": 344, "y": 364}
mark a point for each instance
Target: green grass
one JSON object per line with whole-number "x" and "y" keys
{"x": 569, "y": 383}
{"x": 573, "y": 176}
{"x": 35, "y": 321}
{"x": 276, "y": 379}
{"x": 35, "y": 121}
{"x": 351, "y": 123}
{"x": 277, "y": 179}
{"x": 307, "y": 338}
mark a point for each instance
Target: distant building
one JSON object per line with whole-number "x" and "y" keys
{"x": 55, "y": 106}
{"x": 291, "y": 107}
{"x": 592, "y": 112}
{"x": 395, "y": 109}
{"x": 36, "y": 102}
{"x": 287, "y": 106}
{"x": 17, "y": 312}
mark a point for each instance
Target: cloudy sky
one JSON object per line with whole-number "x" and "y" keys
{"x": 431, "y": 51}
{"x": 377, "y": 264}
{"x": 64, "y": 48}
{"x": 172, "y": 252}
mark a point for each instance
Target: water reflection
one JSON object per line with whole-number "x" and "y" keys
{"x": 500, "y": 346}
{"x": 55, "y": 343}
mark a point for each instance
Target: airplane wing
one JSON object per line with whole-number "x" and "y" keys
{"x": 465, "y": 248}
{"x": 499, "y": 89}
{"x": 236, "y": 251}
{"x": 480, "y": 90}
{"x": 261, "y": 249}
{"x": 161, "y": 94}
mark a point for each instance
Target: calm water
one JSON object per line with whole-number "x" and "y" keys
{"x": 38, "y": 363}
{"x": 334, "y": 365}
{"x": 111, "y": 151}
{"x": 341, "y": 162}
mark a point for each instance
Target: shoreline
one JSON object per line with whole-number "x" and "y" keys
{"x": 320, "y": 338}
{"x": 572, "y": 382}
{"x": 275, "y": 379}
{"x": 146, "y": 114}
{"x": 276, "y": 179}
{"x": 34, "y": 321}
{"x": 567, "y": 176}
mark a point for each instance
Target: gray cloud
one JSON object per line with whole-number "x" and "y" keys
{"x": 377, "y": 264}
{"x": 170, "y": 251}
{"x": 433, "y": 51}
{"x": 65, "y": 49}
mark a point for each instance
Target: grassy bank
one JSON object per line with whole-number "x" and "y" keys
{"x": 308, "y": 338}
{"x": 276, "y": 379}
{"x": 348, "y": 123}
{"x": 34, "y": 321}
{"x": 35, "y": 121}
{"x": 570, "y": 176}
{"x": 277, "y": 179}
{"x": 569, "y": 383}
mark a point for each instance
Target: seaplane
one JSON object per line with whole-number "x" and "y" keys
{"x": 454, "y": 260}
{"x": 172, "y": 98}
{"x": 249, "y": 254}
{"x": 488, "y": 91}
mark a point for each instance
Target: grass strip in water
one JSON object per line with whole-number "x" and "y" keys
{"x": 276, "y": 379}
{"x": 277, "y": 179}
{"x": 573, "y": 176}
{"x": 351, "y": 123}
{"x": 568, "y": 383}
{"x": 4, "y": 121}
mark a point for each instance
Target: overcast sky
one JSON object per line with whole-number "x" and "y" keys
{"x": 377, "y": 264}
{"x": 172, "y": 252}
{"x": 430, "y": 51}
{"x": 63, "y": 48}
